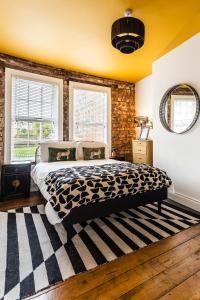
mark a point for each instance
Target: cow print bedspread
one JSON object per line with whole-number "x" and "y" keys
{"x": 76, "y": 186}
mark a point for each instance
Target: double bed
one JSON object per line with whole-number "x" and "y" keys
{"x": 80, "y": 190}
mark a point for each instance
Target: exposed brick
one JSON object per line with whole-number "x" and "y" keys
{"x": 122, "y": 96}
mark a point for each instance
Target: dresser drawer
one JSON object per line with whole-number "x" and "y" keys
{"x": 16, "y": 169}
{"x": 139, "y": 158}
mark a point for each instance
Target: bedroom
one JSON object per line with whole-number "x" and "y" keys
{"x": 100, "y": 195}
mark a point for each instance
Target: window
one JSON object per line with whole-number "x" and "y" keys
{"x": 183, "y": 111}
{"x": 32, "y": 113}
{"x": 89, "y": 112}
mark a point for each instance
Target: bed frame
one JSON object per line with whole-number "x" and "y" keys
{"x": 102, "y": 209}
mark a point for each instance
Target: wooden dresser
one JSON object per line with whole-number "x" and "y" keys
{"x": 142, "y": 151}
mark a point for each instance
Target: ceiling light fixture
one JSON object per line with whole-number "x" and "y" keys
{"x": 127, "y": 33}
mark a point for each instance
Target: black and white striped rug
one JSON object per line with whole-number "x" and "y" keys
{"x": 34, "y": 254}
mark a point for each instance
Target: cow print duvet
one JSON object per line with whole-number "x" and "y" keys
{"x": 76, "y": 186}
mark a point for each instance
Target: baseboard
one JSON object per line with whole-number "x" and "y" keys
{"x": 185, "y": 200}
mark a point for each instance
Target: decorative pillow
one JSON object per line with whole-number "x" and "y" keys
{"x": 44, "y": 147}
{"x": 61, "y": 154}
{"x": 81, "y": 145}
{"x": 93, "y": 153}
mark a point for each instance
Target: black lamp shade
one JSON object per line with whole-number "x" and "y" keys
{"x": 127, "y": 34}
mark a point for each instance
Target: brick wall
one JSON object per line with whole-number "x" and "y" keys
{"x": 122, "y": 95}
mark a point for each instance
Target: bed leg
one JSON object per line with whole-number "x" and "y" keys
{"x": 69, "y": 234}
{"x": 159, "y": 206}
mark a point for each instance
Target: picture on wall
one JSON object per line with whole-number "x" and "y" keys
{"x": 144, "y": 133}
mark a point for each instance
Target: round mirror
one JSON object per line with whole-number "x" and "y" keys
{"x": 179, "y": 108}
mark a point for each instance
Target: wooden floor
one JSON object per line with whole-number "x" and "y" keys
{"x": 34, "y": 199}
{"x": 167, "y": 270}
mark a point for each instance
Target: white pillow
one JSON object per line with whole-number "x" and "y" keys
{"x": 44, "y": 152}
{"x": 80, "y": 146}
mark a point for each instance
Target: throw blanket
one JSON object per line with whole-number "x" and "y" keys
{"x": 76, "y": 186}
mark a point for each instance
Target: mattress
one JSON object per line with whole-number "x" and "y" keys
{"x": 42, "y": 169}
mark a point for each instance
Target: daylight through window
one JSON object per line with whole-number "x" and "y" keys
{"x": 34, "y": 116}
{"x": 90, "y": 115}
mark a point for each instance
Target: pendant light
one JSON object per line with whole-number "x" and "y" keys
{"x": 127, "y": 33}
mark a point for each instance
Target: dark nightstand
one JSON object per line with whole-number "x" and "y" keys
{"x": 121, "y": 158}
{"x": 15, "y": 180}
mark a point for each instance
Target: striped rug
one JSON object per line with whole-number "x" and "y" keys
{"x": 34, "y": 254}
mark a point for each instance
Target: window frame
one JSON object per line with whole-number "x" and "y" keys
{"x": 9, "y": 73}
{"x": 89, "y": 87}
{"x": 178, "y": 97}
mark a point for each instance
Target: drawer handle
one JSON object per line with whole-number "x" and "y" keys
{"x": 16, "y": 183}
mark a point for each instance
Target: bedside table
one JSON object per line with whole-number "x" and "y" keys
{"x": 121, "y": 158}
{"x": 142, "y": 151}
{"x": 15, "y": 180}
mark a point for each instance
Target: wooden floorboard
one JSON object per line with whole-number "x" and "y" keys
{"x": 34, "y": 199}
{"x": 188, "y": 289}
{"x": 167, "y": 270}
{"x": 159, "y": 284}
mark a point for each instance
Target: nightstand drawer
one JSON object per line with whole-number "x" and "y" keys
{"x": 15, "y": 185}
{"x": 139, "y": 158}
{"x": 15, "y": 169}
{"x": 140, "y": 149}
{"x": 138, "y": 143}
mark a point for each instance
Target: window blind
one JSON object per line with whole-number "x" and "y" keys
{"x": 90, "y": 115}
{"x": 34, "y": 116}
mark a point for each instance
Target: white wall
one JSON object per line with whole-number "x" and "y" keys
{"x": 144, "y": 99}
{"x": 179, "y": 154}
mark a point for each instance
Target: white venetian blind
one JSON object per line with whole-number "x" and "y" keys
{"x": 90, "y": 115}
{"x": 34, "y": 116}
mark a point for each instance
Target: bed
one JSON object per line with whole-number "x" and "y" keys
{"x": 80, "y": 190}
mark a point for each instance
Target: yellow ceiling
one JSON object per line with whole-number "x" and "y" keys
{"x": 75, "y": 34}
